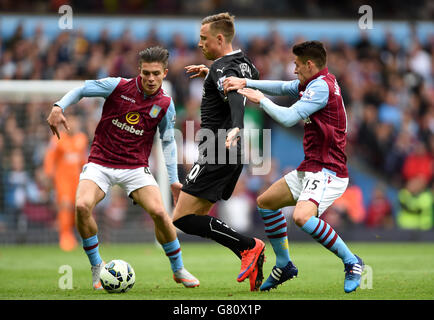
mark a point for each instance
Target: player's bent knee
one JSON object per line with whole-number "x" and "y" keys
{"x": 83, "y": 209}
{"x": 158, "y": 214}
{"x": 265, "y": 203}
{"x": 300, "y": 218}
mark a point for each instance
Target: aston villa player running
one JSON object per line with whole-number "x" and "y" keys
{"x": 322, "y": 177}
{"x": 132, "y": 111}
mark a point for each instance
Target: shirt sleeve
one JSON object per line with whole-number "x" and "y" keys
{"x": 219, "y": 75}
{"x": 314, "y": 98}
{"x": 236, "y": 101}
{"x": 92, "y": 88}
{"x": 275, "y": 87}
{"x": 166, "y": 127}
{"x": 236, "y": 104}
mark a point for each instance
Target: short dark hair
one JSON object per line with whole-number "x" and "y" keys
{"x": 154, "y": 54}
{"x": 311, "y": 50}
{"x": 221, "y": 22}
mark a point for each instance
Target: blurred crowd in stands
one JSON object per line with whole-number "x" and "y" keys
{"x": 314, "y": 9}
{"x": 388, "y": 91}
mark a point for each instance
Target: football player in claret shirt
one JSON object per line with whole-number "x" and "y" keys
{"x": 214, "y": 176}
{"x": 132, "y": 111}
{"x": 322, "y": 177}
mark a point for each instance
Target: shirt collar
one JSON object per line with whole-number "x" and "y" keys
{"x": 322, "y": 72}
{"x": 229, "y": 54}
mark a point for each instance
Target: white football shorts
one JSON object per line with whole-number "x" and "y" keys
{"x": 127, "y": 179}
{"x": 322, "y": 188}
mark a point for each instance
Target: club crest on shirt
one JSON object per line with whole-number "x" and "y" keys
{"x": 308, "y": 94}
{"x": 155, "y": 110}
{"x": 220, "y": 83}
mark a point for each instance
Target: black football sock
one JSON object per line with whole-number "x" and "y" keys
{"x": 215, "y": 229}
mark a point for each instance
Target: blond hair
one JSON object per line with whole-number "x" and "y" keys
{"x": 221, "y": 23}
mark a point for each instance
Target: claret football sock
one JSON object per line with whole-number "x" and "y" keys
{"x": 322, "y": 232}
{"x": 91, "y": 247}
{"x": 174, "y": 253}
{"x": 276, "y": 231}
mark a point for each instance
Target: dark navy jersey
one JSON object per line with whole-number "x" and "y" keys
{"x": 215, "y": 109}
{"x": 219, "y": 111}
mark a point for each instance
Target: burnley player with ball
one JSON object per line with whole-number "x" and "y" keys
{"x": 132, "y": 111}
{"x": 214, "y": 176}
{"x": 323, "y": 175}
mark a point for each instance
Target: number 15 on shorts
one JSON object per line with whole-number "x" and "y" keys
{"x": 311, "y": 185}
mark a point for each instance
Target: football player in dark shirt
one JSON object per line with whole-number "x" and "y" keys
{"x": 214, "y": 176}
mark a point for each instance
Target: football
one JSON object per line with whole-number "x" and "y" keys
{"x": 117, "y": 276}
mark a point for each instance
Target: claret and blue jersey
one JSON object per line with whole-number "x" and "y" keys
{"x": 322, "y": 109}
{"x": 125, "y": 133}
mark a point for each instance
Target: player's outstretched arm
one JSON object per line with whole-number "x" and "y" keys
{"x": 253, "y": 95}
{"x": 197, "y": 71}
{"x": 233, "y": 84}
{"x": 314, "y": 98}
{"x": 167, "y": 136}
{"x": 270, "y": 87}
{"x": 275, "y": 87}
{"x": 55, "y": 119}
{"x": 285, "y": 116}
{"x": 232, "y": 137}
{"x": 236, "y": 105}
{"x": 92, "y": 88}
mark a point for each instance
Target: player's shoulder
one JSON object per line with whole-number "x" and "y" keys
{"x": 328, "y": 78}
{"x": 316, "y": 89}
{"x": 322, "y": 83}
{"x": 225, "y": 61}
{"x": 218, "y": 66}
{"x": 236, "y": 63}
{"x": 124, "y": 81}
{"x": 107, "y": 80}
{"x": 165, "y": 94}
{"x": 164, "y": 99}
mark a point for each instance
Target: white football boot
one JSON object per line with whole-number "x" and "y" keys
{"x": 186, "y": 278}
{"x": 96, "y": 270}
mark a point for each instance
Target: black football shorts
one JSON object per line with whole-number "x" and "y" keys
{"x": 212, "y": 181}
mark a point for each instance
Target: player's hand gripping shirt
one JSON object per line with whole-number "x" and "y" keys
{"x": 125, "y": 133}
{"x": 321, "y": 107}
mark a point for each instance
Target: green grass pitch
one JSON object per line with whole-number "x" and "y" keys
{"x": 396, "y": 271}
